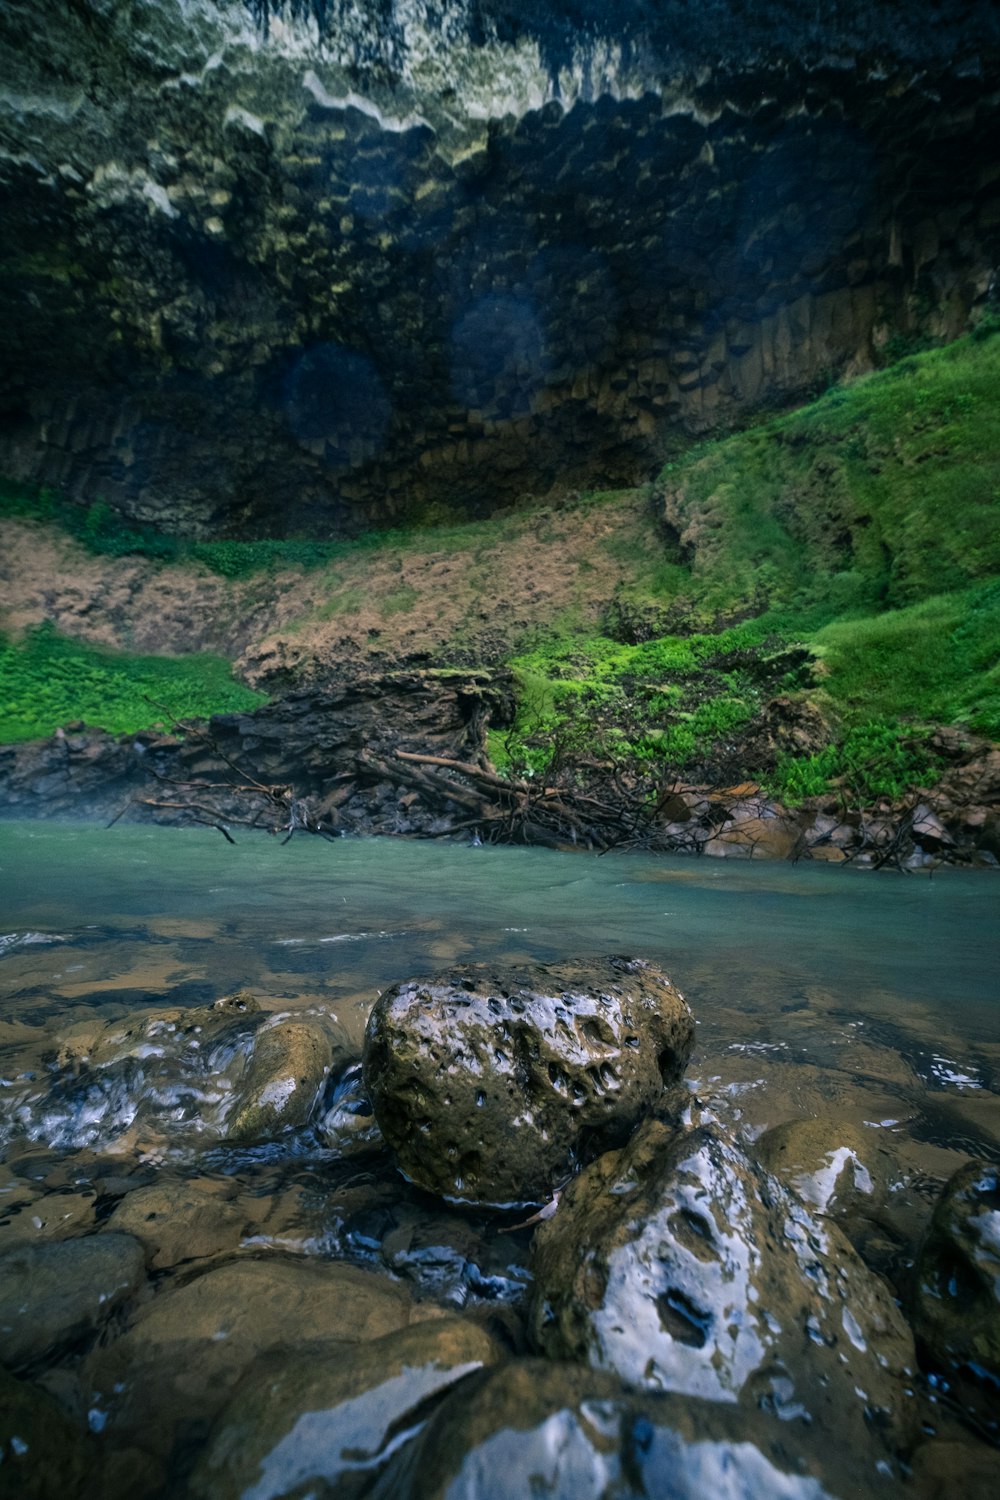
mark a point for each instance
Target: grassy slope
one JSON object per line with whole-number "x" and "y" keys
{"x": 864, "y": 526}
{"x": 47, "y": 680}
{"x": 854, "y": 541}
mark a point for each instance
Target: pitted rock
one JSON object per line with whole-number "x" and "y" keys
{"x": 680, "y": 1265}
{"x": 491, "y": 1085}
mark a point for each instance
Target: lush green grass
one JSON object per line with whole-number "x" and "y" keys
{"x": 864, "y": 528}
{"x": 47, "y": 680}
{"x": 856, "y": 541}
{"x": 881, "y": 493}
{"x": 935, "y": 661}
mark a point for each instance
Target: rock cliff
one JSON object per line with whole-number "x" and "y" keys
{"x": 311, "y": 267}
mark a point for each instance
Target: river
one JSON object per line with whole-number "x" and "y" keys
{"x": 818, "y": 992}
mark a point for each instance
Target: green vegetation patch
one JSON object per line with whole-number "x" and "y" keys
{"x": 875, "y": 759}
{"x": 937, "y": 660}
{"x": 675, "y": 700}
{"x": 47, "y": 680}
{"x": 881, "y": 493}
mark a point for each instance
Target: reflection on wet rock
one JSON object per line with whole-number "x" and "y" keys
{"x": 490, "y": 1085}
{"x": 957, "y": 1311}
{"x": 52, "y": 1296}
{"x": 175, "y": 1367}
{"x": 347, "y": 1126}
{"x": 337, "y": 1417}
{"x": 172, "y": 1081}
{"x": 42, "y": 1454}
{"x": 534, "y": 1428}
{"x": 287, "y": 1068}
{"x": 681, "y": 1266}
{"x": 828, "y": 1163}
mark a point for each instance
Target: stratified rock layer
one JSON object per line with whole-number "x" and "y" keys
{"x": 492, "y": 1085}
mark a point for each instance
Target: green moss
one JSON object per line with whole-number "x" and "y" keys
{"x": 398, "y": 602}
{"x": 879, "y": 493}
{"x": 877, "y": 758}
{"x": 937, "y": 660}
{"x": 47, "y": 680}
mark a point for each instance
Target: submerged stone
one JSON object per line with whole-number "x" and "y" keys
{"x": 491, "y": 1085}
{"x": 551, "y": 1430}
{"x": 42, "y": 1453}
{"x": 53, "y": 1295}
{"x": 176, "y": 1367}
{"x": 178, "y": 1221}
{"x": 957, "y": 1304}
{"x": 287, "y": 1069}
{"x": 680, "y": 1265}
{"x": 337, "y": 1416}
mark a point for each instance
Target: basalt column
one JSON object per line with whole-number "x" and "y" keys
{"x": 274, "y": 268}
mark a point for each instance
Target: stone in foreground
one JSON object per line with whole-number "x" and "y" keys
{"x": 52, "y": 1296}
{"x": 491, "y": 1085}
{"x": 536, "y": 1428}
{"x": 328, "y": 1422}
{"x": 680, "y": 1266}
{"x": 957, "y": 1312}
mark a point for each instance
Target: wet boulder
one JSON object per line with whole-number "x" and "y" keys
{"x": 175, "y": 1368}
{"x": 42, "y": 1453}
{"x": 957, "y": 1303}
{"x": 178, "y": 1220}
{"x": 53, "y": 1295}
{"x": 680, "y": 1265}
{"x": 335, "y": 1418}
{"x": 491, "y": 1085}
{"x": 831, "y": 1165}
{"x": 287, "y": 1069}
{"x": 536, "y": 1428}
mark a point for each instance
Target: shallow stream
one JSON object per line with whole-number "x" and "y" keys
{"x": 818, "y": 992}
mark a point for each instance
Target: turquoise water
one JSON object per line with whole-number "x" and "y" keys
{"x": 356, "y": 915}
{"x": 865, "y": 1004}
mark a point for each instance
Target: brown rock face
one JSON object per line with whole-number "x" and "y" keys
{"x": 491, "y": 1085}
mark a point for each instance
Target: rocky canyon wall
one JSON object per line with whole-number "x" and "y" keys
{"x": 311, "y": 267}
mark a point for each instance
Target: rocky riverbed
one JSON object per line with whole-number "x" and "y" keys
{"x": 520, "y": 1241}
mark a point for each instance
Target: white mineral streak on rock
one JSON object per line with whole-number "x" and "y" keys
{"x": 236, "y": 116}
{"x": 113, "y": 184}
{"x": 352, "y": 100}
{"x": 431, "y": 56}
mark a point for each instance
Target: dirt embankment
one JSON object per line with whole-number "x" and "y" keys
{"x": 472, "y": 597}
{"x": 382, "y": 704}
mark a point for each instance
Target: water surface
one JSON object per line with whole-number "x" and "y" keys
{"x": 869, "y": 1001}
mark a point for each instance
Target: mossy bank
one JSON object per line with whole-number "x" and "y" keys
{"x": 795, "y": 611}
